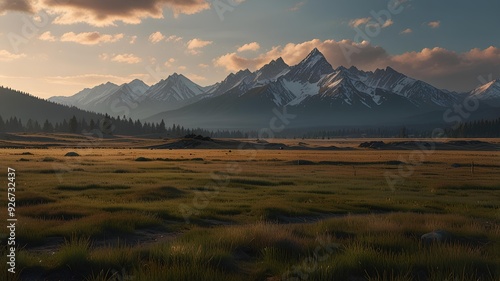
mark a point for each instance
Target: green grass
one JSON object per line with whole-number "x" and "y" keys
{"x": 330, "y": 216}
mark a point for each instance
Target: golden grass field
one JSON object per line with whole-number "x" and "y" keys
{"x": 253, "y": 215}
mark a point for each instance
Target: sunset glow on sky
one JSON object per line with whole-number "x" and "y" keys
{"x": 59, "y": 47}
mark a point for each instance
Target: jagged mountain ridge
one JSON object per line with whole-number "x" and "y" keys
{"x": 106, "y": 98}
{"x": 312, "y": 87}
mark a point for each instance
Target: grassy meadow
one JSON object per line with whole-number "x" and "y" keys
{"x": 137, "y": 214}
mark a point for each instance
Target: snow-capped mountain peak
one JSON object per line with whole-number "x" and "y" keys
{"x": 138, "y": 87}
{"x": 314, "y": 57}
{"x": 271, "y": 71}
{"x": 88, "y": 96}
{"x": 488, "y": 91}
{"x": 176, "y": 87}
{"x": 311, "y": 69}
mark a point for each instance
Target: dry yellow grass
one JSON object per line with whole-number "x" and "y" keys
{"x": 256, "y": 215}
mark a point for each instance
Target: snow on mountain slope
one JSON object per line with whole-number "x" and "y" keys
{"x": 488, "y": 91}
{"x": 175, "y": 88}
{"x": 271, "y": 72}
{"x": 311, "y": 69}
{"x": 231, "y": 81}
{"x": 313, "y": 87}
{"x": 418, "y": 92}
{"x": 138, "y": 87}
{"x": 87, "y": 96}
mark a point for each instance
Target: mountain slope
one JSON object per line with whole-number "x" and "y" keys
{"x": 87, "y": 97}
{"x": 169, "y": 94}
{"x": 488, "y": 93}
{"x": 107, "y": 98}
{"x": 24, "y": 106}
{"x": 313, "y": 90}
{"x": 175, "y": 88}
{"x": 318, "y": 94}
{"x": 311, "y": 69}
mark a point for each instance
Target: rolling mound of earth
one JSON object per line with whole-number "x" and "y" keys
{"x": 207, "y": 143}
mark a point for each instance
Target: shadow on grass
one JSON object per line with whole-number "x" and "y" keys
{"x": 91, "y": 186}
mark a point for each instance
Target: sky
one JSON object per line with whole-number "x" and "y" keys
{"x": 59, "y": 47}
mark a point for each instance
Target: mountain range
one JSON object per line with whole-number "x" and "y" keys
{"x": 313, "y": 92}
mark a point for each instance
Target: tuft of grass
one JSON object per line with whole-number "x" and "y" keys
{"x": 75, "y": 255}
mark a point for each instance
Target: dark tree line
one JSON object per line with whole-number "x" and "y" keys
{"x": 108, "y": 126}
{"x": 121, "y": 126}
{"x": 476, "y": 129}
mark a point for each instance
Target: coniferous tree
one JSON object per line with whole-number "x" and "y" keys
{"x": 47, "y": 127}
{"x": 2, "y": 125}
{"x": 73, "y": 125}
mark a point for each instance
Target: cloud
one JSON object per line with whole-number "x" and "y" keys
{"x": 388, "y": 23}
{"x": 104, "y": 56}
{"x": 202, "y": 65}
{"x": 90, "y": 38}
{"x": 369, "y": 22}
{"x": 254, "y": 46}
{"x": 194, "y": 45}
{"x": 133, "y": 39}
{"x": 8, "y": 56}
{"x": 156, "y": 37}
{"x": 126, "y": 58}
{"x": 174, "y": 38}
{"x": 105, "y": 13}
{"x": 47, "y": 36}
{"x": 182, "y": 67}
{"x": 93, "y": 79}
{"x": 438, "y": 66}
{"x": 297, "y": 6}
{"x": 360, "y": 21}
{"x": 16, "y": 5}
{"x": 434, "y": 24}
{"x": 294, "y": 53}
{"x": 407, "y": 31}
{"x": 448, "y": 69}
{"x": 169, "y": 62}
